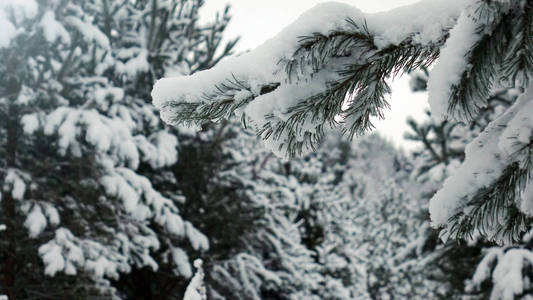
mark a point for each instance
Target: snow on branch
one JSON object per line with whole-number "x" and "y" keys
{"x": 483, "y": 194}
{"x": 461, "y": 82}
{"x": 196, "y": 288}
{"x": 329, "y": 69}
{"x": 507, "y": 269}
{"x": 332, "y": 61}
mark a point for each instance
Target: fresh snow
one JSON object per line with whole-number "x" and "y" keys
{"x": 390, "y": 28}
{"x": 8, "y": 31}
{"x": 85, "y": 103}
{"x": 196, "y": 290}
{"x": 89, "y": 32}
{"x": 120, "y": 132}
{"x": 135, "y": 65}
{"x": 504, "y": 267}
{"x": 35, "y": 221}
{"x": 453, "y": 61}
{"x": 181, "y": 260}
{"x": 53, "y": 29}
{"x": 20, "y": 9}
{"x": 526, "y": 203}
{"x": 15, "y": 181}
{"x": 30, "y": 123}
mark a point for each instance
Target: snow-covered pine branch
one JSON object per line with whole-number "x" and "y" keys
{"x": 329, "y": 69}
{"x": 294, "y": 86}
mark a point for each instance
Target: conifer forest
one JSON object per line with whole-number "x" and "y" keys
{"x": 144, "y": 157}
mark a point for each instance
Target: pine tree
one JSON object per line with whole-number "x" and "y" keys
{"x": 300, "y": 228}
{"x": 81, "y": 144}
{"x": 325, "y": 72}
{"x": 218, "y": 203}
{"x": 274, "y": 263}
{"x": 285, "y": 229}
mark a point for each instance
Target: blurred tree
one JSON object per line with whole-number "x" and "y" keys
{"x": 83, "y": 148}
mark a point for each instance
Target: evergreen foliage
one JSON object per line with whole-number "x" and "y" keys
{"x": 95, "y": 203}
{"x": 83, "y": 150}
{"x": 329, "y": 69}
{"x": 472, "y": 268}
{"x": 309, "y": 228}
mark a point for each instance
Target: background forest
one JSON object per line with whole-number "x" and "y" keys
{"x": 102, "y": 200}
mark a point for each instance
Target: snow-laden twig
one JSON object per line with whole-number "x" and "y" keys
{"x": 196, "y": 288}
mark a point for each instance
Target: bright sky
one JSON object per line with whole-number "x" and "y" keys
{"x": 255, "y": 21}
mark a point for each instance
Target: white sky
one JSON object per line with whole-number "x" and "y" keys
{"x": 255, "y": 21}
